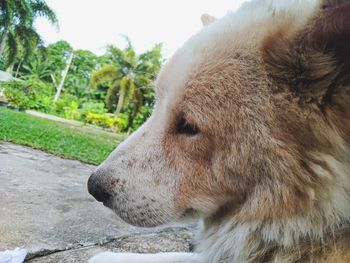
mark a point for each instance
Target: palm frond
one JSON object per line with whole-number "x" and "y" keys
{"x": 11, "y": 47}
{"x": 6, "y": 13}
{"x": 129, "y": 93}
{"x": 28, "y": 38}
{"x": 112, "y": 97}
{"x": 128, "y": 42}
{"x": 105, "y": 74}
{"x": 41, "y": 9}
{"x": 114, "y": 54}
{"x": 122, "y": 94}
{"x": 18, "y": 17}
{"x": 137, "y": 102}
{"x": 23, "y": 12}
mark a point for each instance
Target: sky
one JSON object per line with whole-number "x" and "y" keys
{"x": 92, "y": 24}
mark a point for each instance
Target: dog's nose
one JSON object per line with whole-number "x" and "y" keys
{"x": 97, "y": 189}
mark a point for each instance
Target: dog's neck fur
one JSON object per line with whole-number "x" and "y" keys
{"x": 307, "y": 238}
{"x": 248, "y": 242}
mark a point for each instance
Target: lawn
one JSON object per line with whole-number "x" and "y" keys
{"x": 81, "y": 143}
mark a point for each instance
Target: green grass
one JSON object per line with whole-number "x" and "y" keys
{"x": 81, "y": 143}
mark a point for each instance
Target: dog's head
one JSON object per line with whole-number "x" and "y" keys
{"x": 249, "y": 114}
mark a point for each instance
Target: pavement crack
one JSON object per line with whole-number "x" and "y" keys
{"x": 46, "y": 252}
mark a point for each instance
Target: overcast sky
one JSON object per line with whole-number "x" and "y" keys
{"x": 92, "y": 24}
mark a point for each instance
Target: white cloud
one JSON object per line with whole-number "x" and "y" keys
{"x": 92, "y": 24}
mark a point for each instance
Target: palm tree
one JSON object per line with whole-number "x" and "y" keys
{"x": 17, "y": 32}
{"x": 129, "y": 76}
{"x": 120, "y": 82}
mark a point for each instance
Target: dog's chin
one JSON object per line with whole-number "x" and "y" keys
{"x": 139, "y": 219}
{"x": 141, "y": 223}
{"x": 188, "y": 216}
{"x": 189, "y": 213}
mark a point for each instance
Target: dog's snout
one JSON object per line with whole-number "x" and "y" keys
{"x": 97, "y": 189}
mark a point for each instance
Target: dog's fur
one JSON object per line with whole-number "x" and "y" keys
{"x": 250, "y": 133}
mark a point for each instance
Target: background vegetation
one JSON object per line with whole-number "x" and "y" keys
{"x": 114, "y": 91}
{"x": 74, "y": 142}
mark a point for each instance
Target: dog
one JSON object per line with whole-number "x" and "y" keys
{"x": 249, "y": 134}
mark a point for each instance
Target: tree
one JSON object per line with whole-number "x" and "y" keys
{"x": 77, "y": 82}
{"x": 46, "y": 64}
{"x": 35, "y": 69}
{"x": 64, "y": 75}
{"x": 17, "y": 32}
{"x": 129, "y": 77}
{"x": 56, "y": 56}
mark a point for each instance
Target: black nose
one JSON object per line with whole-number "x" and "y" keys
{"x": 97, "y": 189}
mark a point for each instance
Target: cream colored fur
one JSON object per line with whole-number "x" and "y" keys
{"x": 147, "y": 190}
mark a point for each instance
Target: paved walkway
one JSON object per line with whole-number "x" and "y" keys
{"x": 45, "y": 208}
{"x": 54, "y": 118}
{"x": 70, "y": 122}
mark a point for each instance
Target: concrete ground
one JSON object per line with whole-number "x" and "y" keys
{"x": 45, "y": 208}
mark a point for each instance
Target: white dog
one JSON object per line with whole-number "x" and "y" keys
{"x": 250, "y": 134}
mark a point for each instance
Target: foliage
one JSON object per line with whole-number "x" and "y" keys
{"x": 82, "y": 143}
{"x": 52, "y": 59}
{"x": 107, "y": 121}
{"x": 141, "y": 117}
{"x": 71, "y": 111}
{"x": 121, "y": 81}
{"x": 129, "y": 77}
{"x": 100, "y": 120}
{"x": 92, "y": 107}
{"x": 56, "y": 55}
{"x": 77, "y": 81}
{"x": 121, "y": 122}
{"x": 64, "y": 102}
{"x": 17, "y": 32}
{"x": 28, "y": 94}
{"x": 36, "y": 69}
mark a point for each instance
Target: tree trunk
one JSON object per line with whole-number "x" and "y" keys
{"x": 9, "y": 69}
{"x": 18, "y": 67}
{"x": 53, "y": 79}
{"x": 64, "y": 75}
{"x": 120, "y": 103}
{"x": 3, "y": 41}
{"x": 130, "y": 121}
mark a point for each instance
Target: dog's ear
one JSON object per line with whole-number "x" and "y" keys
{"x": 312, "y": 62}
{"x": 207, "y": 19}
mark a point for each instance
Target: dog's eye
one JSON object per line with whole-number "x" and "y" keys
{"x": 183, "y": 127}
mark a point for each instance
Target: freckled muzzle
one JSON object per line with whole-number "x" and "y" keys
{"x": 135, "y": 183}
{"x": 137, "y": 209}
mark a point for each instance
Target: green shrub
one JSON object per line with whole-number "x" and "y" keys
{"x": 121, "y": 122}
{"x": 44, "y": 104}
{"x": 100, "y": 120}
{"x": 92, "y": 107}
{"x": 28, "y": 94}
{"x": 141, "y": 117}
{"x": 71, "y": 111}
{"x": 65, "y": 101}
